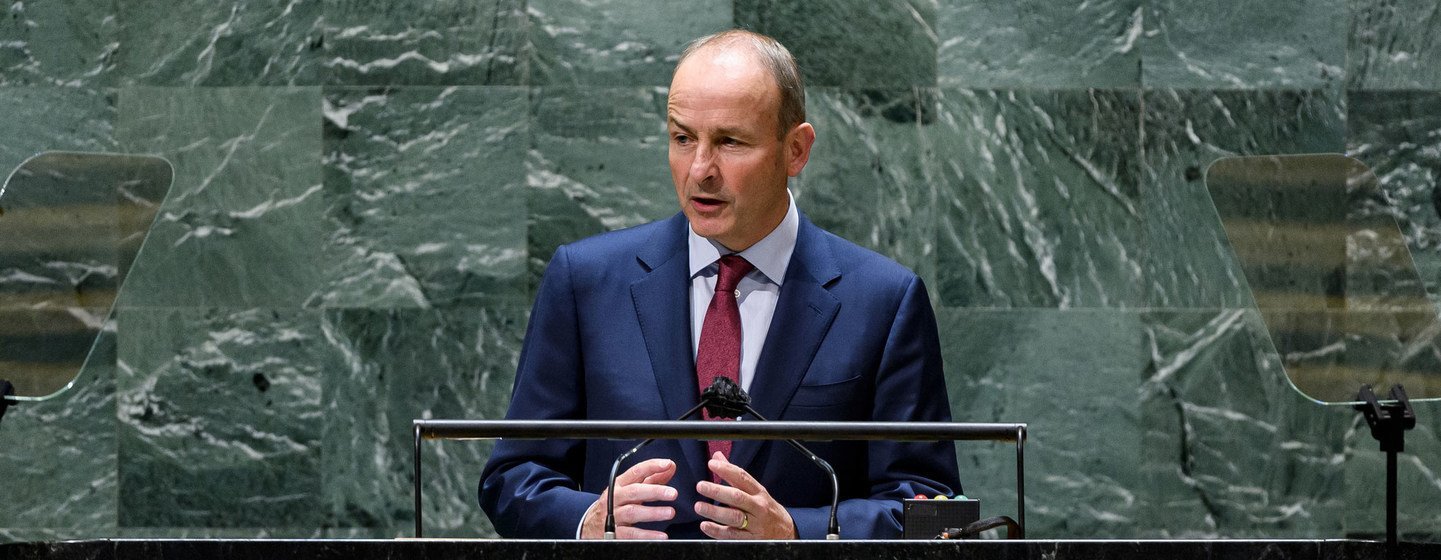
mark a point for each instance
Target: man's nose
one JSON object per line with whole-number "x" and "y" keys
{"x": 703, "y": 167}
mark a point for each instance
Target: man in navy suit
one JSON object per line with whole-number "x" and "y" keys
{"x": 827, "y": 331}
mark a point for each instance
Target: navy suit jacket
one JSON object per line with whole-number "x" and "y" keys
{"x": 853, "y": 338}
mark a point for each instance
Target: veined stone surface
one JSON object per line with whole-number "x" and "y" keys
{"x": 221, "y": 418}
{"x": 362, "y": 246}
{"x": 1080, "y": 406}
{"x": 401, "y": 365}
{"x": 597, "y": 163}
{"x": 1038, "y": 198}
{"x": 1021, "y": 44}
{"x": 866, "y": 180}
{"x": 1393, "y": 45}
{"x": 425, "y": 42}
{"x": 1236, "y": 44}
{"x": 425, "y": 190}
{"x": 71, "y": 43}
{"x": 852, "y": 44}
{"x": 615, "y": 42}
{"x": 1229, "y": 446}
{"x": 241, "y": 226}
{"x": 249, "y": 42}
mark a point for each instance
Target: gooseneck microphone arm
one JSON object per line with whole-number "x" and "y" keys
{"x": 615, "y": 467}
{"x": 833, "y": 530}
{"x": 725, "y": 399}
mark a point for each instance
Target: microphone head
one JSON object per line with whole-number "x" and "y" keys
{"x": 724, "y": 398}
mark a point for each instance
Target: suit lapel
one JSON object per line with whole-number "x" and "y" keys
{"x": 662, "y": 305}
{"x": 803, "y": 316}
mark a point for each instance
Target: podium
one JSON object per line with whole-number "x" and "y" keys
{"x": 427, "y": 549}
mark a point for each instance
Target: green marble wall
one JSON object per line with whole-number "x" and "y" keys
{"x": 366, "y": 193}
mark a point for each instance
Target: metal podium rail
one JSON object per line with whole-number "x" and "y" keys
{"x": 805, "y": 431}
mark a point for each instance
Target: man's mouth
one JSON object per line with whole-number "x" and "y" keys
{"x": 706, "y": 204}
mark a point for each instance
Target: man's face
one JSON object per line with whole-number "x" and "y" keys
{"x": 727, "y": 158}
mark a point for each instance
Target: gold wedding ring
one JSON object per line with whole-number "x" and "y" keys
{"x": 745, "y": 521}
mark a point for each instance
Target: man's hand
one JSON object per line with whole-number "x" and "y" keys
{"x": 752, "y": 513}
{"x": 638, "y": 485}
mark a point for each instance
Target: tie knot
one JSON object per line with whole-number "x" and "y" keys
{"x": 732, "y": 268}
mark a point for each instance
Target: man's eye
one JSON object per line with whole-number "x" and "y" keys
{"x": 730, "y": 141}
{"x": 680, "y": 139}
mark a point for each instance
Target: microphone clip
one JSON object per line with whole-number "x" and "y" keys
{"x": 725, "y": 399}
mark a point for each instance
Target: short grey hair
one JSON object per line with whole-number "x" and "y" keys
{"x": 777, "y": 60}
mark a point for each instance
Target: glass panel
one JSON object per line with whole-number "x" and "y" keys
{"x": 71, "y": 224}
{"x": 1330, "y": 273}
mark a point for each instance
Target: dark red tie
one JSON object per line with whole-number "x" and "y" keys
{"x": 719, "y": 353}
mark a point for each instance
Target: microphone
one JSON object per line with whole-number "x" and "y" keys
{"x": 725, "y": 399}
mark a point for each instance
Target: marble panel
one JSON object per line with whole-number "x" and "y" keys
{"x": 59, "y": 458}
{"x": 221, "y": 417}
{"x": 615, "y": 42}
{"x": 597, "y": 163}
{"x": 1394, "y": 45}
{"x": 221, "y": 43}
{"x": 1418, "y": 478}
{"x": 1230, "y": 448}
{"x": 866, "y": 180}
{"x": 1398, "y": 135}
{"x": 1036, "y": 43}
{"x": 1189, "y": 262}
{"x": 242, "y": 225}
{"x": 401, "y": 365}
{"x": 852, "y": 44}
{"x": 39, "y": 119}
{"x": 1038, "y": 198}
{"x": 69, "y": 43}
{"x": 1070, "y": 375}
{"x": 425, "y": 42}
{"x": 1239, "y": 44}
{"x": 425, "y": 191}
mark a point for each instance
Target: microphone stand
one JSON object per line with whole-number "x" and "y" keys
{"x": 615, "y": 467}
{"x": 833, "y": 529}
{"x": 725, "y": 399}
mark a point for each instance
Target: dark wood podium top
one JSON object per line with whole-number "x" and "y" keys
{"x": 437, "y": 549}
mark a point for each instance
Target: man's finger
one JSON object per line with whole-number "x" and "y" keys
{"x": 637, "y": 533}
{"x": 644, "y": 469}
{"x": 730, "y": 496}
{"x": 736, "y": 476}
{"x": 723, "y": 532}
{"x": 634, "y": 513}
{"x": 660, "y": 477}
{"x": 641, "y": 493}
{"x": 722, "y": 515}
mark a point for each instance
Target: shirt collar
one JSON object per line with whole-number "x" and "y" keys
{"x": 771, "y": 255}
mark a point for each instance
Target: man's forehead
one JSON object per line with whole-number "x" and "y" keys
{"x": 723, "y": 69}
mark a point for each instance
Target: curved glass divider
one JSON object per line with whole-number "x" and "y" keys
{"x": 1331, "y": 274}
{"x": 71, "y": 225}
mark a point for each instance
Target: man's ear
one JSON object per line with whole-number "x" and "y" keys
{"x": 798, "y": 148}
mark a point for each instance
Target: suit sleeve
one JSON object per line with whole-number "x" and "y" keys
{"x": 910, "y": 387}
{"x": 530, "y": 488}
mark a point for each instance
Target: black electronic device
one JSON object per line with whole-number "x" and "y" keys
{"x": 927, "y": 519}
